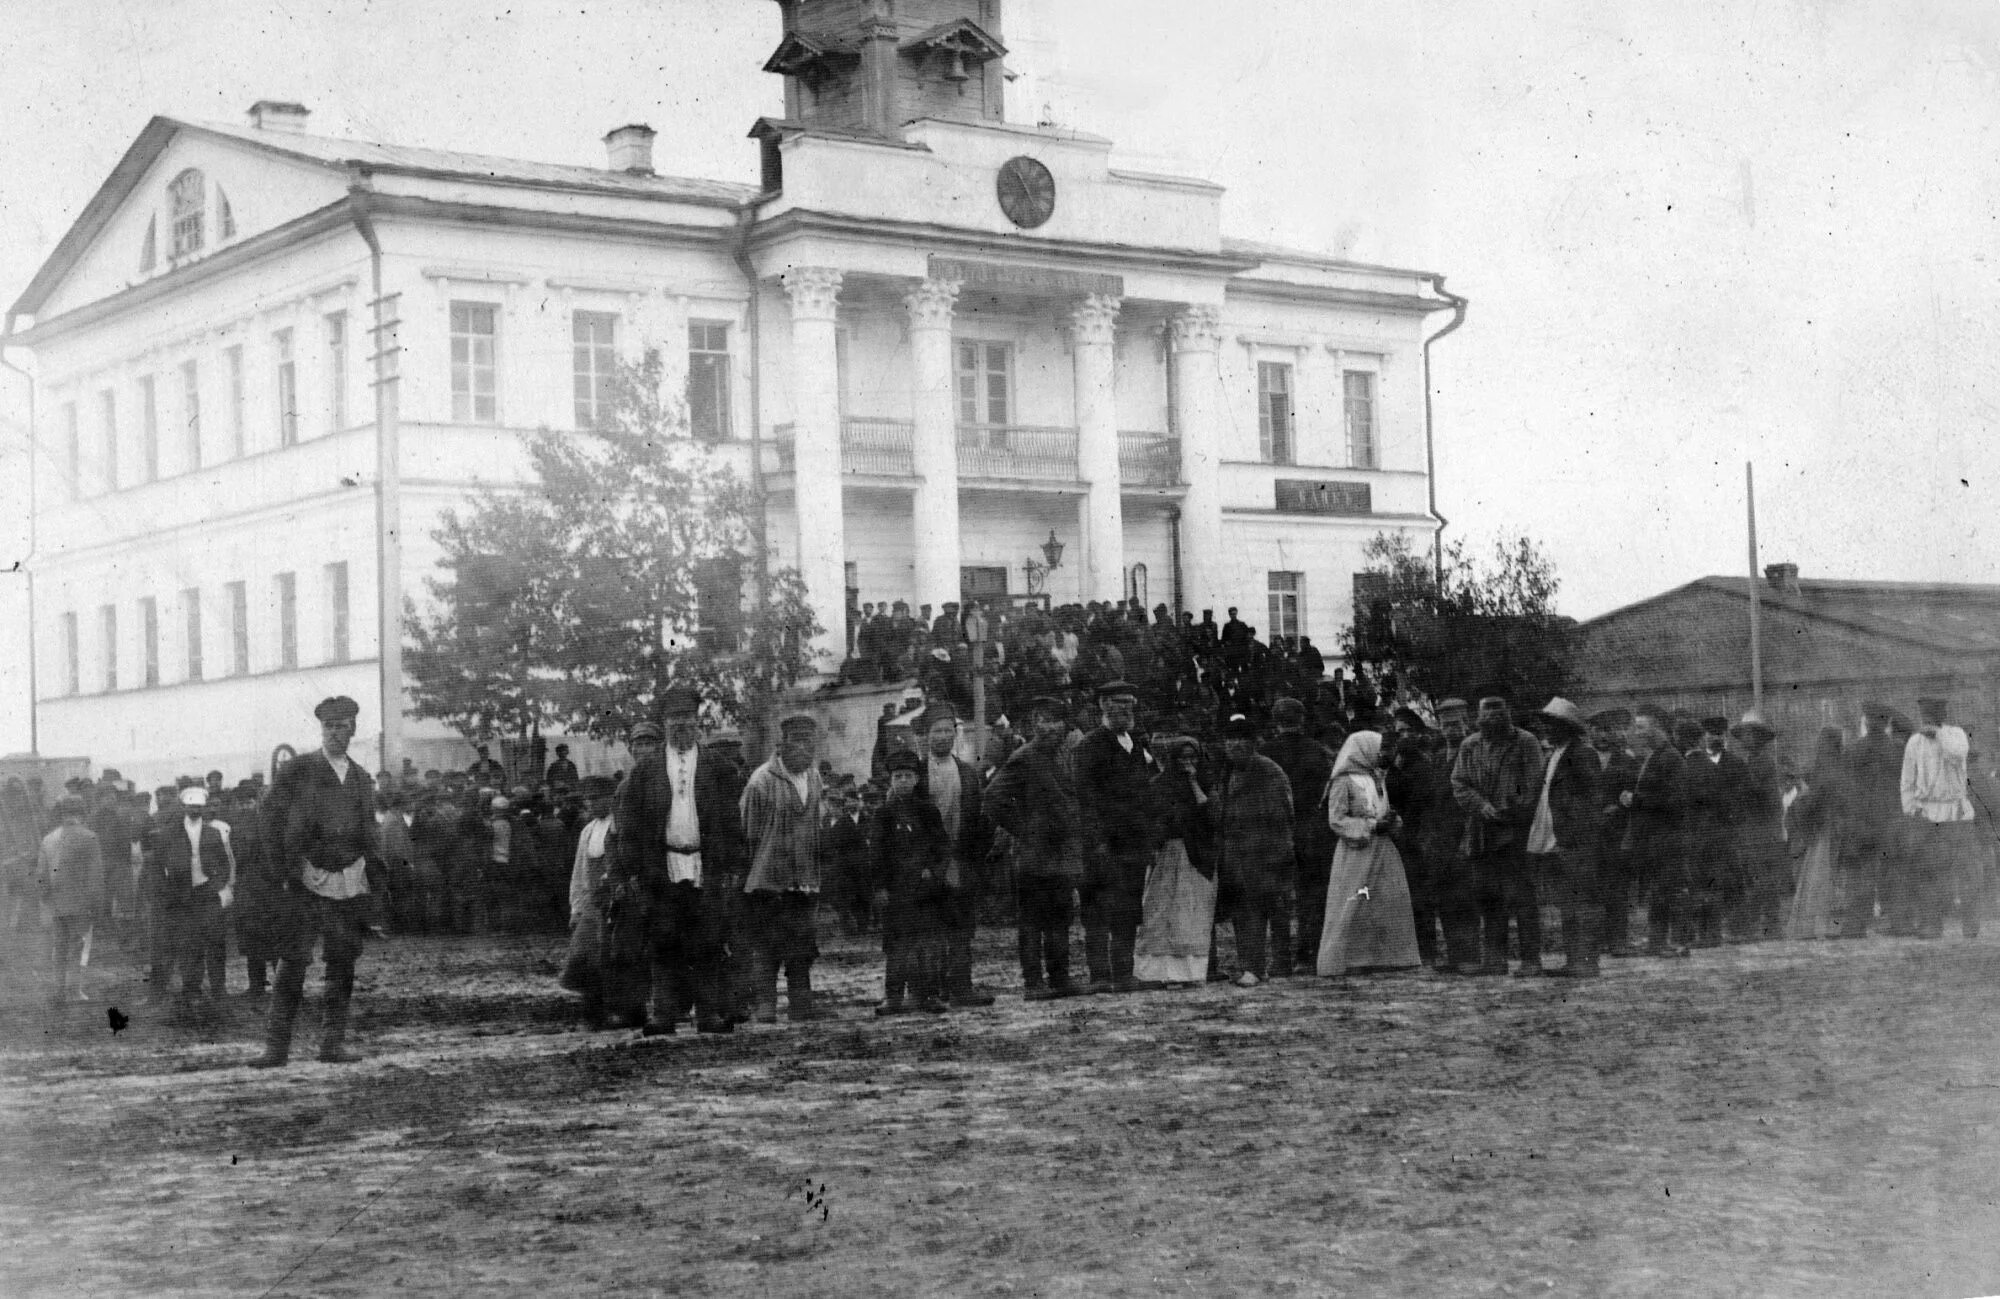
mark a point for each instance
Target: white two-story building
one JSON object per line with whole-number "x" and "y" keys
{"x": 940, "y": 336}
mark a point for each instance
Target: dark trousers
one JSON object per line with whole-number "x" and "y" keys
{"x": 1042, "y": 910}
{"x": 1568, "y": 881}
{"x": 960, "y": 918}
{"x": 688, "y": 955}
{"x": 302, "y": 919}
{"x": 198, "y": 941}
{"x": 1312, "y": 870}
{"x": 782, "y": 936}
{"x": 1614, "y": 895}
{"x": 1256, "y": 920}
{"x": 1485, "y": 893}
{"x": 1111, "y": 896}
{"x": 1764, "y": 870}
{"x": 916, "y": 945}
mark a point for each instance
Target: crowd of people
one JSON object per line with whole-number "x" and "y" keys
{"x": 1333, "y": 834}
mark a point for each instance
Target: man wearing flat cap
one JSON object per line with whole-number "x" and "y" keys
{"x": 196, "y": 881}
{"x": 1764, "y": 866}
{"x": 1614, "y": 871}
{"x": 782, "y": 833}
{"x": 1496, "y": 781}
{"x": 1715, "y": 787}
{"x": 679, "y": 839}
{"x": 1033, "y": 798}
{"x": 321, "y": 835}
{"x": 952, "y": 786}
{"x": 1935, "y": 796}
{"x": 1114, "y": 778}
{"x": 1869, "y": 860}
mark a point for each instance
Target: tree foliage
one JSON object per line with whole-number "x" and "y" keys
{"x": 1487, "y": 620}
{"x": 625, "y": 565}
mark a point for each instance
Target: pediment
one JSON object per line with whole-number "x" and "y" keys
{"x": 960, "y": 36}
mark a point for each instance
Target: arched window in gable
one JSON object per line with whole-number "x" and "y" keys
{"x": 149, "y": 252}
{"x": 225, "y": 216}
{"x": 186, "y": 196}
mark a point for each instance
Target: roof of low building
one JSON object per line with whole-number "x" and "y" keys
{"x": 1954, "y": 617}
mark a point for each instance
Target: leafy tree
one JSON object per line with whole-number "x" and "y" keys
{"x": 574, "y": 602}
{"x": 1442, "y": 629}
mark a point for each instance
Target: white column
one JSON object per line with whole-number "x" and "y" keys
{"x": 1196, "y": 334}
{"x": 934, "y": 512}
{"x": 1093, "y": 327}
{"x": 814, "y": 293}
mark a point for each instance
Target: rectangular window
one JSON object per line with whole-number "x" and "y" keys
{"x": 191, "y": 404}
{"x": 72, "y": 452}
{"x": 718, "y": 585}
{"x": 1274, "y": 412}
{"x": 149, "y": 428}
{"x": 1288, "y": 595}
{"x": 109, "y": 402}
{"x": 985, "y": 382}
{"x": 107, "y": 628}
{"x": 288, "y": 620}
{"x": 336, "y": 369}
{"x": 239, "y": 629}
{"x": 149, "y": 632}
{"x": 191, "y": 606}
{"x": 72, "y": 675}
{"x": 1358, "y": 402}
{"x": 594, "y": 352}
{"x": 708, "y": 381}
{"x": 474, "y": 383}
{"x": 336, "y": 612}
{"x": 236, "y": 415}
{"x": 288, "y": 389}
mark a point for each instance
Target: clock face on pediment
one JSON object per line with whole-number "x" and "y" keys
{"x": 1027, "y": 192}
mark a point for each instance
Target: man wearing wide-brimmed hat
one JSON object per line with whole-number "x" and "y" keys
{"x": 1562, "y": 838}
{"x": 1760, "y": 844}
{"x": 1936, "y": 799}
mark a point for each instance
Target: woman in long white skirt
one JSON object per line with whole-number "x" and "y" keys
{"x": 1368, "y": 919}
{"x": 1177, "y": 918}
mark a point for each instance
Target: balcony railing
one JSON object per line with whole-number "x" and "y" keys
{"x": 1149, "y": 460}
{"x": 1017, "y": 451}
{"x": 877, "y": 446}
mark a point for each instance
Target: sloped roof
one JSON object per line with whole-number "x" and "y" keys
{"x": 355, "y": 156}
{"x": 1952, "y": 617}
{"x": 1303, "y": 257}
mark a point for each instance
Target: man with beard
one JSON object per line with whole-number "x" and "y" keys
{"x": 782, "y": 829}
{"x": 1713, "y": 782}
{"x": 679, "y": 840}
{"x": 1308, "y": 766}
{"x": 1654, "y": 842}
{"x": 1440, "y": 837}
{"x": 1033, "y": 798}
{"x": 1114, "y": 776}
{"x": 952, "y": 786}
{"x": 1614, "y": 872}
{"x": 1496, "y": 781}
{"x": 320, "y": 821}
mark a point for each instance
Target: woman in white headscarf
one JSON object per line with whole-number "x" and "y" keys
{"x": 1368, "y": 919}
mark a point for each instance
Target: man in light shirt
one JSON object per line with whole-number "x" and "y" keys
{"x": 322, "y": 835}
{"x": 1936, "y": 800}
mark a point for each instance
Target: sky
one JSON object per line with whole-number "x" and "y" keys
{"x": 1693, "y": 233}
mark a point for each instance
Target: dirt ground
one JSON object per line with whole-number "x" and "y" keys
{"x": 1772, "y": 1120}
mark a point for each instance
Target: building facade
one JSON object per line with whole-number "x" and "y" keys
{"x": 941, "y": 338}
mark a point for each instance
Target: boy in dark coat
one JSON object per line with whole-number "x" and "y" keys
{"x": 912, "y": 861}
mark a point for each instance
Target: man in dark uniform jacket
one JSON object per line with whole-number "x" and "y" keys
{"x": 1614, "y": 873}
{"x": 194, "y": 886}
{"x": 320, "y": 825}
{"x": 1114, "y": 777}
{"x": 562, "y": 772}
{"x": 952, "y": 785}
{"x": 1713, "y": 786}
{"x": 1411, "y": 781}
{"x": 680, "y": 838}
{"x": 1308, "y": 767}
{"x": 1875, "y": 775}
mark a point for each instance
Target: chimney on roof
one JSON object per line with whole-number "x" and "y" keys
{"x": 277, "y": 115}
{"x": 1782, "y": 577}
{"x": 630, "y": 148}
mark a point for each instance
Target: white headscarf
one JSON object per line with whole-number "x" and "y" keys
{"x": 1359, "y": 762}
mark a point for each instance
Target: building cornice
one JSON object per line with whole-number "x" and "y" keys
{"x": 800, "y": 221}
{"x": 1335, "y": 296}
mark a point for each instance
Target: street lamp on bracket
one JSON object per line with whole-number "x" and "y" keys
{"x": 1038, "y": 573}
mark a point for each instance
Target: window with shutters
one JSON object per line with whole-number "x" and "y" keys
{"x": 1287, "y": 592}
{"x": 985, "y": 376}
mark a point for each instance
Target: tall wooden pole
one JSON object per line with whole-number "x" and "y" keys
{"x": 1756, "y": 596}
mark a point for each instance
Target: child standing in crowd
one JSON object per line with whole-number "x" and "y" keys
{"x": 912, "y": 857}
